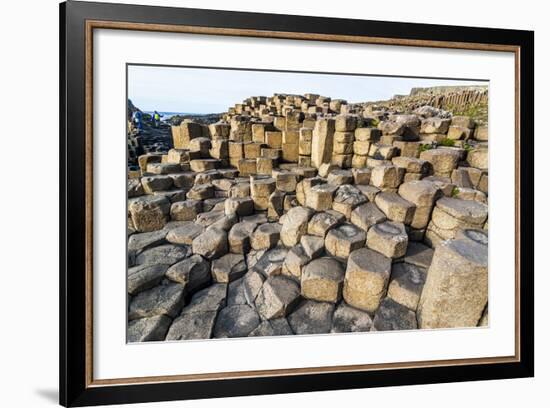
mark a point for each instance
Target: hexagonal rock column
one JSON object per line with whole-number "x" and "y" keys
{"x": 452, "y": 214}
{"x": 277, "y": 298}
{"x": 228, "y": 268}
{"x": 443, "y": 161}
{"x": 148, "y": 328}
{"x": 236, "y": 321}
{"x": 341, "y": 241}
{"x": 406, "y": 284}
{"x": 240, "y": 206}
{"x": 260, "y": 190}
{"x": 366, "y": 279}
{"x": 395, "y": 207}
{"x": 239, "y": 237}
{"x": 322, "y": 280}
{"x": 348, "y": 319}
{"x": 389, "y": 238}
{"x": 321, "y": 144}
{"x": 322, "y": 222}
{"x": 367, "y": 215}
{"x": 387, "y": 176}
{"x": 211, "y": 244}
{"x": 311, "y": 317}
{"x": 295, "y": 225}
{"x": 295, "y": 261}
{"x": 456, "y": 289}
{"x": 161, "y": 300}
{"x": 319, "y": 197}
{"x": 265, "y": 236}
{"x": 347, "y": 197}
{"x": 185, "y": 233}
{"x": 149, "y": 213}
{"x": 394, "y": 316}
{"x": 422, "y": 194}
{"x": 185, "y": 210}
{"x": 192, "y": 273}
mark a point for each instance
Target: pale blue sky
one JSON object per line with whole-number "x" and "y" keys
{"x": 199, "y": 90}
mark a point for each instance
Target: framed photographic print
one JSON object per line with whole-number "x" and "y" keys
{"x": 256, "y": 203}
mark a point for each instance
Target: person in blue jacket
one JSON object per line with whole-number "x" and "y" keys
{"x": 138, "y": 118}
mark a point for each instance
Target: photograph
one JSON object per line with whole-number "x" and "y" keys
{"x": 282, "y": 203}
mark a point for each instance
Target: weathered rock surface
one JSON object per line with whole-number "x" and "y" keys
{"x": 322, "y": 280}
{"x": 277, "y": 297}
{"x": 311, "y": 317}
{"x": 348, "y": 319}
{"x": 394, "y": 316}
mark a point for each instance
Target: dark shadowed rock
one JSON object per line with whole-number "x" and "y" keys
{"x": 236, "y": 321}
{"x": 164, "y": 299}
{"x": 311, "y": 318}
{"x": 394, "y": 316}
{"x": 144, "y": 277}
{"x": 164, "y": 254}
{"x": 148, "y": 329}
{"x": 276, "y": 327}
{"x": 348, "y": 319}
{"x": 278, "y": 297}
{"x": 192, "y": 326}
{"x": 193, "y": 273}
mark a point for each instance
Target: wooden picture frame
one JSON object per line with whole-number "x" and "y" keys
{"x": 77, "y": 22}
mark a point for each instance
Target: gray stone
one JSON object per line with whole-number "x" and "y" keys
{"x": 211, "y": 244}
{"x": 236, "y": 321}
{"x": 395, "y": 207}
{"x": 277, "y": 297}
{"x": 139, "y": 242}
{"x": 367, "y": 215}
{"x": 313, "y": 245}
{"x": 192, "y": 326}
{"x": 347, "y": 319}
{"x": 239, "y": 237}
{"x": 347, "y": 197}
{"x": 193, "y": 273}
{"x": 271, "y": 262}
{"x": 406, "y": 284}
{"x": 228, "y": 268}
{"x": 161, "y": 300}
{"x": 152, "y": 328}
{"x": 295, "y": 225}
{"x": 185, "y": 210}
{"x": 236, "y": 293}
{"x": 419, "y": 255}
{"x": 252, "y": 282}
{"x": 275, "y": 327}
{"x": 322, "y": 222}
{"x": 164, "y": 254}
{"x": 394, "y": 316}
{"x": 311, "y": 317}
{"x": 143, "y": 277}
{"x": 184, "y": 234}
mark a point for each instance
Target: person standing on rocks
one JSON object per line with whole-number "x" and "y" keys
{"x": 138, "y": 117}
{"x": 156, "y": 119}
